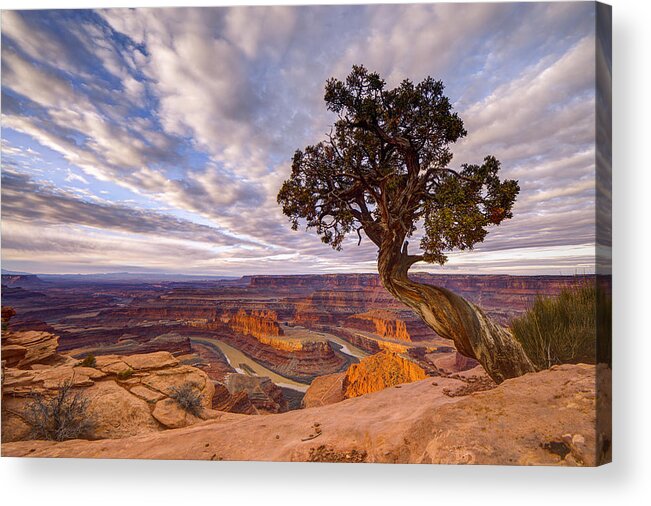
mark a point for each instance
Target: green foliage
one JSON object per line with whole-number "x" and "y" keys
{"x": 188, "y": 396}
{"x": 88, "y": 361}
{"x": 60, "y": 417}
{"x": 385, "y": 166}
{"x": 453, "y": 218}
{"x": 564, "y": 328}
{"x": 125, "y": 375}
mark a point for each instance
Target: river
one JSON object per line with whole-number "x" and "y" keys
{"x": 236, "y": 359}
{"x": 245, "y": 364}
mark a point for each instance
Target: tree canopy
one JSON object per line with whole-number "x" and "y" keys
{"x": 385, "y": 167}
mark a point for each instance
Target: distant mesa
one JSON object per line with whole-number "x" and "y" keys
{"x": 23, "y": 281}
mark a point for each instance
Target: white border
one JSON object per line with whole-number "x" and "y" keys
{"x": 627, "y": 481}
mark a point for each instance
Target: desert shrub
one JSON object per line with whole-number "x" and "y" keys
{"x": 88, "y": 361}
{"x": 188, "y": 396}
{"x": 563, "y": 329}
{"x": 125, "y": 375}
{"x": 59, "y": 417}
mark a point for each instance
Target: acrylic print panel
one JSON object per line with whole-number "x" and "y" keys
{"x": 369, "y": 233}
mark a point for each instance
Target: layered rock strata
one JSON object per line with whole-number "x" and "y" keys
{"x": 257, "y": 323}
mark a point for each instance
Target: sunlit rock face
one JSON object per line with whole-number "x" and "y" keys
{"x": 372, "y": 374}
{"x": 380, "y": 371}
{"x": 260, "y": 323}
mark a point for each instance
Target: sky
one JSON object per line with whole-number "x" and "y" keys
{"x": 155, "y": 140}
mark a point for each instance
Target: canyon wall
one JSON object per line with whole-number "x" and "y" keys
{"x": 259, "y": 323}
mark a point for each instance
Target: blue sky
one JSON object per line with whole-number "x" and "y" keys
{"x": 157, "y": 139}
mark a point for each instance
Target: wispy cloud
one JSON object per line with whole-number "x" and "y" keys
{"x": 197, "y": 111}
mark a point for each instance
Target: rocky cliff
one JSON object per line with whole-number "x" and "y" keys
{"x": 304, "y": 364}
{"x": 264, "y": 395}
{"x": 23, "y": 348}
{"x": 391, "y": 325}
{"x": 127, "y": 395}
{"x": 380, "y": 371}
{"x": 374, "y": 373}
{"x": 381, "y": 322}
{"x": 545, "y": 418}
{"x": 259, "y": 323}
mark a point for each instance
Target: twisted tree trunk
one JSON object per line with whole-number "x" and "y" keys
{"x": 474, "y": 334}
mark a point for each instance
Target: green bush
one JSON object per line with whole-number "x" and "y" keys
{"x": 125, "y": 375}
{"x": 564, "y": 328}
{"x": 188, "y": 396}
{"x": 59, "y": 417}
{"x": 88, "y": 361}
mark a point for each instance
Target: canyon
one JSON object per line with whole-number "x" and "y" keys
{"x": 291, "y": 328}
{"x": 276, "y": 346}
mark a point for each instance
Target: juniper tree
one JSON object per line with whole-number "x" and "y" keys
{"x": 383, "y": 169}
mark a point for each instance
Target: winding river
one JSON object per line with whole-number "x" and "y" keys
{"x": 237, "y": 360}
{"x": 244, "y": 364}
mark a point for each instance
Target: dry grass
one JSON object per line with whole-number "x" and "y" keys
{"x": 564, "y": 328}
{"x": 88, "y": 361}
{"x": 59, "y": 417}
{"x": 189, "y": 397}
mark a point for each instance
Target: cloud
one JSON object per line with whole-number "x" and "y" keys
{"x": 72, "y": 177}
{"x": 24, "y": 200}
{"x": 199, "y": 110}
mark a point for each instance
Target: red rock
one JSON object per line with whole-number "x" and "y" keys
{"x": 119, "y": 407}
{"x": 171, "y": 415}
{"x": 380, "y": 371}
{"x": 256, "y": 323}
{"x": 325, "y": 390}
{"x": 237, "y": 402}
{"x": 148, "y": 361}
{"x": 417, "y": 423}
{"x": 25, "y": 348}
{"x": 263, "y": 394}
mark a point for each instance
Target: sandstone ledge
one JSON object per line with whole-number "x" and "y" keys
{"x": 416, "y": 423}
{"x": 127, "y": 395}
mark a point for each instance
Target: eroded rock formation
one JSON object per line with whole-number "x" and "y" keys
{"x": 21, "y": 349}
{"x": 381, "y": 322}
{"x": 372, "y": 374}
{"x": 127, "y": 395}
{"x": 380, "y": 371}
{"x": 522, "y": 421}
{"x": 257, "y": 323}
{"x": 264, "y": 395}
